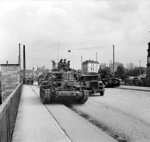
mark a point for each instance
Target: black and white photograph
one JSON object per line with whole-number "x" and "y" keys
{"x": 74, "y": 71}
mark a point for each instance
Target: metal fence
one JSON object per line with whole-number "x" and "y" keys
{"x": 8, "y": 113}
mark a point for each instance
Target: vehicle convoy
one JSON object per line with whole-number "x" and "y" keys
{"x": 92, "y": 83}
{"x": 62, "y": 85}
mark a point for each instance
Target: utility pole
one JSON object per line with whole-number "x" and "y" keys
{"x": 19, "y": 61}
{"x": 19, "y": 55}
{"x": 81, "y": 63}
{"x": 140, "y": 66}
{"x": 24, "y": 62}
{"x": 113, "y": 60}
{"x": 58, "y": 50}
{"x": 96, "y": 56}
{"x": 19, "y": 58}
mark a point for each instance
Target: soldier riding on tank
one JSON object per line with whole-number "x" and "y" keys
{"x": 68, "y": 65}
{"x": 60, "y": 64}
{"x": 54, "y": 64}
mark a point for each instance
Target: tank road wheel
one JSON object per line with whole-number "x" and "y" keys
{"x": 48, "y": 99}
{"x": 44, "y": 99}
{"x": 102, "y": 93}
{"x": 84, "y": 98}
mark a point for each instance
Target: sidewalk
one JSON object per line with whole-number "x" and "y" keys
{"x": 34, "y": 123}
{"x": 138, "y": 88}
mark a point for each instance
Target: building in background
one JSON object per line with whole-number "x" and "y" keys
{"x": 90, "y": 66}
{"x": 10, "y": 78}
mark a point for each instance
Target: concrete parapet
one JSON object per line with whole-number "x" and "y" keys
{"x": 10, "y": 78}
{"x": 8, "y": 113}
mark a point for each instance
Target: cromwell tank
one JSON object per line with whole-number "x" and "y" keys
{"x": 62, "y": 85}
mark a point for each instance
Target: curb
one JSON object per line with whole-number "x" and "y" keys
{"x": 134, "y": 89}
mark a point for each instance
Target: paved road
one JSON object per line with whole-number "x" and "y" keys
{"x": 124, "y": 113}
{"x": 138, "y": 88}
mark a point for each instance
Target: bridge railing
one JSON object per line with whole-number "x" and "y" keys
{"x": 8, "y": 113}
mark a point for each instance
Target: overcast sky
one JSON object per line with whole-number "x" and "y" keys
{"x": 50, "y": 28}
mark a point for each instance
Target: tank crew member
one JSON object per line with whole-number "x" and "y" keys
{"x": 68, "y": 65}
{"x": 60, "y": 64}
{"x": 64, "y": 64}
{"x": 54, "y": 64}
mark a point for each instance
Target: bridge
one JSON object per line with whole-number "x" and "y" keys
{"x": 8, "y": 113}
{"x": 23, "y": 118}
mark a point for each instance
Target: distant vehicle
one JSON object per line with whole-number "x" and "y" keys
{"x": 134, "y": 81}
{"x": 28, "y": 81}
{"x": 31, "y": 80}
{"x": 62, "y": 85}
{"x": 137, "y": 82}
{"x": 128, "y": 81}
{"x": 92, "y": 83}
{"x": 111, "y": 82}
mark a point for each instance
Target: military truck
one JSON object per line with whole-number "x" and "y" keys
{"x": 62, "y": 85}
{"x": 92, "y": 83}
